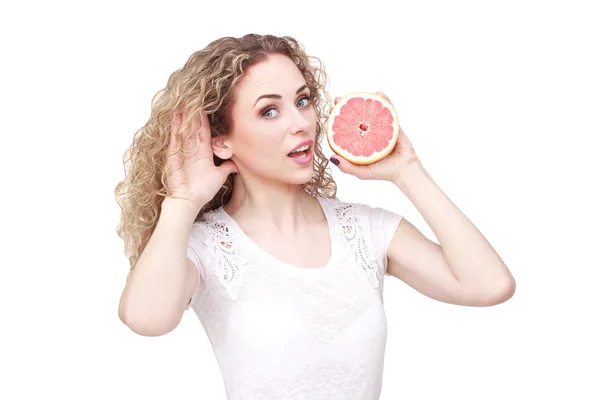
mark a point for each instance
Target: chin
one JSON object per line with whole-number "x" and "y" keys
{"x": 300, "y": 177}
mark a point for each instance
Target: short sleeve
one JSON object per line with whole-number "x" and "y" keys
{"x": 195, "y": 249}
{"x": 383, "y": 226}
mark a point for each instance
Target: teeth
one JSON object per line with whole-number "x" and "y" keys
{"x": 302, "y": 148}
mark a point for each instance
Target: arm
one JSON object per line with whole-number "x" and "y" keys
{"x": 160, "y": 286}
{"x": 463, "y": 269}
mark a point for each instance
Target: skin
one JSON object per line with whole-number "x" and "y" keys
{"x": 463, "y": 268}
{"x": 272, "y": 209}
{"x": 268, "y": 202}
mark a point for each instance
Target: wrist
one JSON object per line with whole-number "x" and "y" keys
{"x": 409, "y": 175}
{"x": 180, "y": 208}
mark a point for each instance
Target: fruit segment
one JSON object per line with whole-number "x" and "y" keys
{"x": 363, "y": 128}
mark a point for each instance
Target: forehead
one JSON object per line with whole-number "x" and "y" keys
{"x": 276, "y": 75}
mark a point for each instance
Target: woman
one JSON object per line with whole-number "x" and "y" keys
{"x": 229, "y": 209}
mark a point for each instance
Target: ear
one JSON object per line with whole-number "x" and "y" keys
{"x": 221, "y": 147}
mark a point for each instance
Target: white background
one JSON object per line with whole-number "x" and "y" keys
{"x": 500, "y": 99}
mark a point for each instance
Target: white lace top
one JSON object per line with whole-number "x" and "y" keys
{"x": 284, "y": 332}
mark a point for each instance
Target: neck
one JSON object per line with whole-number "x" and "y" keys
{"x": 268, "y": 203}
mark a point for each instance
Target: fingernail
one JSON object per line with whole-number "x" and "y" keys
{"x": 334, "y": 160}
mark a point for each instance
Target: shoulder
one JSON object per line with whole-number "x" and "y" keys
{"x": 379, "y": 223}
{"x": 205, "y": 232}
{"x": 211, "y": 223}
{"x": 343, "y": 209}
{"x": 360, "y": 211}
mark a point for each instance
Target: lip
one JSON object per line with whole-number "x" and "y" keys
{"x": 304, "y": 161}
{"x": 305, "y": 143}
{"x": 309, "y": 153}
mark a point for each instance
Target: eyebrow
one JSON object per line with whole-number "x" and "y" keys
{"x": 277, "y": 96}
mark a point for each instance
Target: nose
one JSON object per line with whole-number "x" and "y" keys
{"x": 299, "y": 123}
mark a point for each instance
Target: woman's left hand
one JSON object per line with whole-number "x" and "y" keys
{"x": 387, "y": 169}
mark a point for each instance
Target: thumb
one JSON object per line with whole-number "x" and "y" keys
{"x": 359, "y": 171}
{"x": 228, "y": 167}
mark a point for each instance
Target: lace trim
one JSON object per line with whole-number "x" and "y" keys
{"x": 356, "y": 242}
{"x": 230, "y": 266}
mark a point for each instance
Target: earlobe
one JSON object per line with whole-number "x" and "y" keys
{"x": 221, "y": 147}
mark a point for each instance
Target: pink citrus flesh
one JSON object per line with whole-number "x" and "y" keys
{"x": 363, "y": 128}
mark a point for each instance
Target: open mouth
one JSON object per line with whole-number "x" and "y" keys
{"x": 301, "y": 152}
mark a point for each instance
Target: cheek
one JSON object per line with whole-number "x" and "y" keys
{"x": 312, "y": 117}
{"x": 265, "y": 137}
{"x": 261, "y": 141}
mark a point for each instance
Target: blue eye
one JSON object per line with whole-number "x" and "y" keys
{"x": 267, "y": 111}
{"x": 271, "y": 112}
{"x": 305, "y": 99}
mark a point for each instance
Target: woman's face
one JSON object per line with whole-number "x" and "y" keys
{"x": 272, "y": 116}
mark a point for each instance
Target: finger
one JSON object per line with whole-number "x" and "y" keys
{"x": 336, "y": 100}
{"x": 190, "y": 136}
{"x": 175, "y": 124}
{"x": 359, "y": 171}
{"x": 205, "y": 128}
{"x": 228, "y": 167}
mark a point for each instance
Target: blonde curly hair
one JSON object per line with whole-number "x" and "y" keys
{"x": 206, "y": 82}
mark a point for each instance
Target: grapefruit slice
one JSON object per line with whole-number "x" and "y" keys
{"x": 363, "y": 128}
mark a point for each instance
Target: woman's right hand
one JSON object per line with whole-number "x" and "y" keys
{"x": 194, "y": 175}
